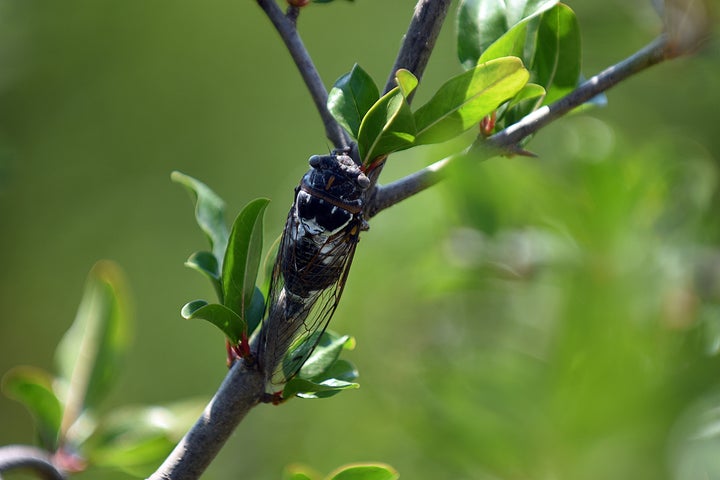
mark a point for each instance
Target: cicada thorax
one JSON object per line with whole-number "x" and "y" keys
{"x": 326, "y": 219}
{"x": 315, "y": 253}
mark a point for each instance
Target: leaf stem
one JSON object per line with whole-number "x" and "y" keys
{"x": 285, "y": 26}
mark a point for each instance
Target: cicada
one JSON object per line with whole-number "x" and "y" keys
{"x": 313, "y": 260}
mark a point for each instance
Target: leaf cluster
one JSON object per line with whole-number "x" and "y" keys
{"x": 232, "y": 268}
{"x": 68, "y": 407}
{"x": 518, "y": 56}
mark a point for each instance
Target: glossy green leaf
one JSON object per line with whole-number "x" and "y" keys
{"x": 406, "y": 81}
{"x": 526, "y": 101}
{"x": 33, "y": 388}
{"x": 209, "y": 212}
{"x": 308, "y": 389}
{"x": 222, "y": 317}
{"x": 324, "y": 355}
{"x": 556, "y": 65}
{"x": 482, "y": 22}
{"x": 255, "y": 314}
{"x": 299, "y": 472}
{"x": 323, "y": 374}
{"x": 242, "y": 259}
{"x": 206, "y": 264}
{"x": 365, "y": 471}
{"x": 351, "y": 97}
{"x": 137, "y": 439}
{"x": 91, "y": 352}
{"x": 388, "y": 127}
{"x": 465, "y": 99}
{"x": 529, "y": 92}
{"x": 341, "y": 370}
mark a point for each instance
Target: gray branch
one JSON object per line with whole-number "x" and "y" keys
{"x": 244, "y": 387}
{"x": 13, "y": 457}
{"x": 506, "y": 141}
{"x": 420, "y": 39}
{"x": 285, "y": 26}
{"x": 241, "y": 390}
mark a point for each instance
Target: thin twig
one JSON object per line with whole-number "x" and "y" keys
{"x": 285, "y": 26}
{"x": 39, "y": 461}
{"x": 506, "y": 141}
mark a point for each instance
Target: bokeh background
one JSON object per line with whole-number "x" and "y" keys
{"x": 554, "y": 318}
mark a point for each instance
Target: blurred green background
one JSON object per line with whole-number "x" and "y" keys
{"x": 549, "y": 318}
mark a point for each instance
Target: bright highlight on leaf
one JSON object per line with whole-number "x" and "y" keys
{"x": 406, "y": 81}
{"x": 464, "y": 100}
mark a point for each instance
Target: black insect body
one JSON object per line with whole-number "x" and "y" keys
{"x": 317, "y": 247}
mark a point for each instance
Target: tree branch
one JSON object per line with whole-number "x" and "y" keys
{"x": 418, "y": 44}
{"x": 420, "y": 39}
{"x": 32, "y": 458}
{"x": 241, "y": 390}
{"x": 244, "y": 387}
{"x": 506, "y": 141}
{"x": 285, "y": 26}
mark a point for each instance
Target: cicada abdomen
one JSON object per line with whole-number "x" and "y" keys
{"x": 317, "y": 247}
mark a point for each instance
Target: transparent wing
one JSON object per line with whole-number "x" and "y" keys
{"x": 298, "y": 320}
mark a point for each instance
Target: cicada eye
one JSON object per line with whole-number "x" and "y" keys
{"x": 315, "y": 161}
{"x": 363, "y": 181}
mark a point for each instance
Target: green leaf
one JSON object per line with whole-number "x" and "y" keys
{"x": 526, "y": 101}
{"x": 324, "y": 355}
{"x": 33, "y": 388}
{"x": 529, "y": 91}
{"x": 222, "y": 317}
{"x": 556, "y": 65}
{"x": 255, "y": 313}
{"x": 209, "y": 212}
{"x": 388, "y": 127}
{"x": 90, "y": 353}
{"x": 365, "y": 471}
{"x": 323, "y": 374}
{"x": 136, "y": 439}
{"x": 299, "y": 472}
{"x": 406, "y": 81}
{"x": 351, "y": 97}
{"x": 341, "y": 370}
{"x": 242, "y": 258}
{"x": 465, "y": 99}
{"x": 206, "y": 264}
{"x": 482, "y": 22}
{"x": 308, "y": 389}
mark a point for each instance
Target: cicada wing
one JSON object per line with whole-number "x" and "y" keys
{"x": 293, "y": 319}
